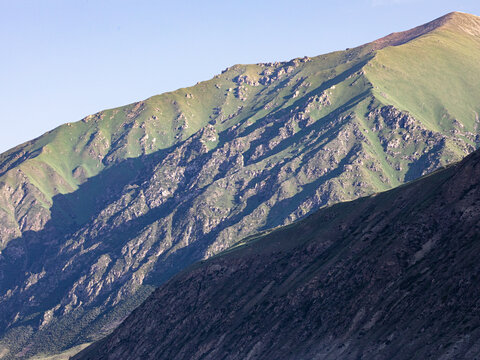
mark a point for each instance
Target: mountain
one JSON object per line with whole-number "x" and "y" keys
{"x": 95, "y": 214}
{"x": 390, "y": 276}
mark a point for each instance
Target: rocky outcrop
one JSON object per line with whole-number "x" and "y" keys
{"x": 359, "y": 280}
{"x": 95, "y": 214}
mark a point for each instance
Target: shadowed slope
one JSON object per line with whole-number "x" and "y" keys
{"x": 392, "y": 276}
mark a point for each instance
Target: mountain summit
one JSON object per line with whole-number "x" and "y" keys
{"x": 467, "y": 23}
{"x": 456, "y": 21}
{"x": 95, "y": 214}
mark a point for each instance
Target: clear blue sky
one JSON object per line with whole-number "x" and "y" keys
{"x": 62, "y": 60}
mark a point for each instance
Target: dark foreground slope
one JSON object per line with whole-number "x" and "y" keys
{"x": 391, "y": 276}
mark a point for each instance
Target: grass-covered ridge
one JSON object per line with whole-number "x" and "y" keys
{"x": 61, "y": 160}
{"x": 357, "y": 280}
{"x": 444, "y": 68}
{"x": 98, "y": 212}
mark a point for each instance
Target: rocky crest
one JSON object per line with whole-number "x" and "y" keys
{"x": 455, "y": 20}
{"x": 391, "y": 276}
{"x": 95, "y": 214}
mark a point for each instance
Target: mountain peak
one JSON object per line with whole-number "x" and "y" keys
{"x": 456, "y": 15}
{"x": 467, "y": 23}
{"x": 458, "y": 21}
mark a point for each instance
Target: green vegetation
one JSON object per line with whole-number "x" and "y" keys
{"x": 101, "y": 211}
{"x": 429, "y": 62}
{"x": 336, "y": 284}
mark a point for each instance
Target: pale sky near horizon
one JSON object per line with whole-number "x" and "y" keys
{"x": 63, "y": 60}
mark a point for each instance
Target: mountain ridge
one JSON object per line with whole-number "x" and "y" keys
{"x": 101, "y": 211}
{"x": 357, "y": 280}
{"x": 467, "y": 23}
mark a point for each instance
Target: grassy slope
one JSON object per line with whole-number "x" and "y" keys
{"x": 103, "y": 139}
{"x": 373, "y": 255}
{"x": 442, "y": 64}
{"x": 99, "y": 141}
{"x": 61, "y": 160}
{"x": 445, "y": 69}
{"x": 445, "y": 56}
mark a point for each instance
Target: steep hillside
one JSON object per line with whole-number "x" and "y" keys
{"x": 392, "y": 276}
{"x": 95, "y": 214}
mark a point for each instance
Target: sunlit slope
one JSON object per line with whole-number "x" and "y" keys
{"x": 355, "y": 281}
{"x": 435, "y": 77}
{"x": 62, "y": 159}
{"x": 100, "y": 211}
